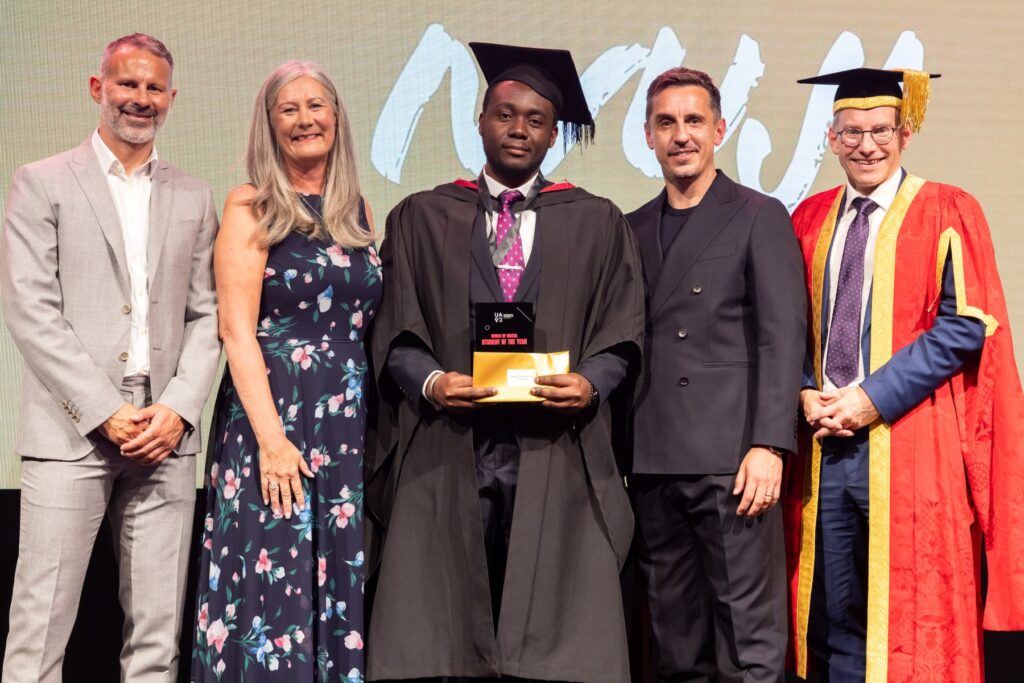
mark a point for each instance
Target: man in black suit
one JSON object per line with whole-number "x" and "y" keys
{"x": 726, "y": 324}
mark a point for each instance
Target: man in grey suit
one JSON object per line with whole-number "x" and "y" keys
{"x": 105, "y": 272}
{"x": 726, "y": 318}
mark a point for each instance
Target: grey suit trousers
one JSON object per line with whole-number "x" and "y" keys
{"x": 62, "y": 506}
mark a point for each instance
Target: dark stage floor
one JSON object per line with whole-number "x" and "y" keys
{"x": 92, "y": 655}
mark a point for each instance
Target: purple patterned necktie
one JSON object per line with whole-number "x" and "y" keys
{"x": 844, "y": 331}
{"x": 514, "y": 263}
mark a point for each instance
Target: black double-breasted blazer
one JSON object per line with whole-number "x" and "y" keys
{"x": 725, "y": 333}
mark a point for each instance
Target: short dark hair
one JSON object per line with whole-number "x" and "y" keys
{"x": 680, "y": 75}
{"x": 487, "y": 96}
{"x": 141, "y": 41}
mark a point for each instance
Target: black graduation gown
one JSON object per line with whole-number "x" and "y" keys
{"x": 561, "y": 615}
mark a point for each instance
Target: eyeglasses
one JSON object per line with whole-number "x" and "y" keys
{"x": 882, "y": 135}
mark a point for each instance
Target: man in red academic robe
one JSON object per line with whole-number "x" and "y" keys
{"x": 912, "y": 395}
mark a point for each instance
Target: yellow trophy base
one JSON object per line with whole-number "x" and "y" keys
{"x": 512, "y": 374}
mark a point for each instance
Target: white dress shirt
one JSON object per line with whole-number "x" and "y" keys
{"x": 884, "y": 195}
{"x": 527, "y": 229}
{"x": 131, "y": 195}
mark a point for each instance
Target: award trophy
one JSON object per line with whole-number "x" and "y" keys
{"x": 503, "y": 355}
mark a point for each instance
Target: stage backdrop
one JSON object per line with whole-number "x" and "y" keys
{"x": 413, "y": 92}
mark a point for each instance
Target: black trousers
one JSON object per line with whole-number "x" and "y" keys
{"x": 496, "y": 450}
{"x": 716, "y": 583}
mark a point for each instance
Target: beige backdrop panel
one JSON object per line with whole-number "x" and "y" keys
{"x": 223, "y": 51}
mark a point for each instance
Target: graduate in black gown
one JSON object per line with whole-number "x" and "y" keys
{"x": 502, "y": 528}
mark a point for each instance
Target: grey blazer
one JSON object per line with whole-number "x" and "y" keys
{"x": 64, "y": 283}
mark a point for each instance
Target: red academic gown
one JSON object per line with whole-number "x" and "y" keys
{"x": 946, "y": 477}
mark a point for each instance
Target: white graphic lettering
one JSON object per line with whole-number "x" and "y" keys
{"x": 438, "y": 54}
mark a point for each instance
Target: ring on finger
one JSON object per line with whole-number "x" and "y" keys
{"x": 272, "y": 486}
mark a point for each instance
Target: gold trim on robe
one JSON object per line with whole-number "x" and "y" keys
{"x": 879, "y": 445}
{"x": 883, "y": 284}
{"x": 950, "y": 242}
{"x": 812, "y": 476}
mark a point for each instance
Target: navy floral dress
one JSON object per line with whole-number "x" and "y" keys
{"x": 281, "y": 599}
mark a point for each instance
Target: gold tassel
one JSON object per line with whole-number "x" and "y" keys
{"x": 916, "y": 91}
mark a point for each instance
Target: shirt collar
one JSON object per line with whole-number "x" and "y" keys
{"x": 111, "y": 164}
{"x": 883, "y": 195}
{"x": 496, "y": 188}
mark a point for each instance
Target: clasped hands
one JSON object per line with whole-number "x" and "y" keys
{"x": 567, "y": 394}
{"x": 837, "y": 413}
{"x": 146, "y": 435}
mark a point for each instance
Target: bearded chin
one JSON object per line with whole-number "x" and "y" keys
{"x": 135, "y": 135}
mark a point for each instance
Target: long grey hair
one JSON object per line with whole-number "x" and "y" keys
{"x": 276, "y": 204}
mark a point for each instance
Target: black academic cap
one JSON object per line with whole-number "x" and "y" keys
{"x": 550, "y": 73}
{"x": 869, "y": 88}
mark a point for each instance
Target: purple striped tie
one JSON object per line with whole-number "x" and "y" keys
{"x": 844, "y": 331}
{"x": 509, "y": 277}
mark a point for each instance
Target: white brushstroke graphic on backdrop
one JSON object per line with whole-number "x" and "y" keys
{"x": 438, "y": 54}
{"x": 610, "y": 71}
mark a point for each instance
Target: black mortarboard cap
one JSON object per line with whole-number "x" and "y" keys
{"x": 550, "y": 73}
{"x": 869, "y": 88}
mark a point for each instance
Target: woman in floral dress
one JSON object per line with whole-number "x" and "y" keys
{"x": 280, "y": 595}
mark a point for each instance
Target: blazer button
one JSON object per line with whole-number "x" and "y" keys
{"x": 696, "y": 289}
{"x": 683, "y": 334}
{"x": 124, "y": 355}
{"x": 126, "y": 309}
{"x": 683, "y": 381}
